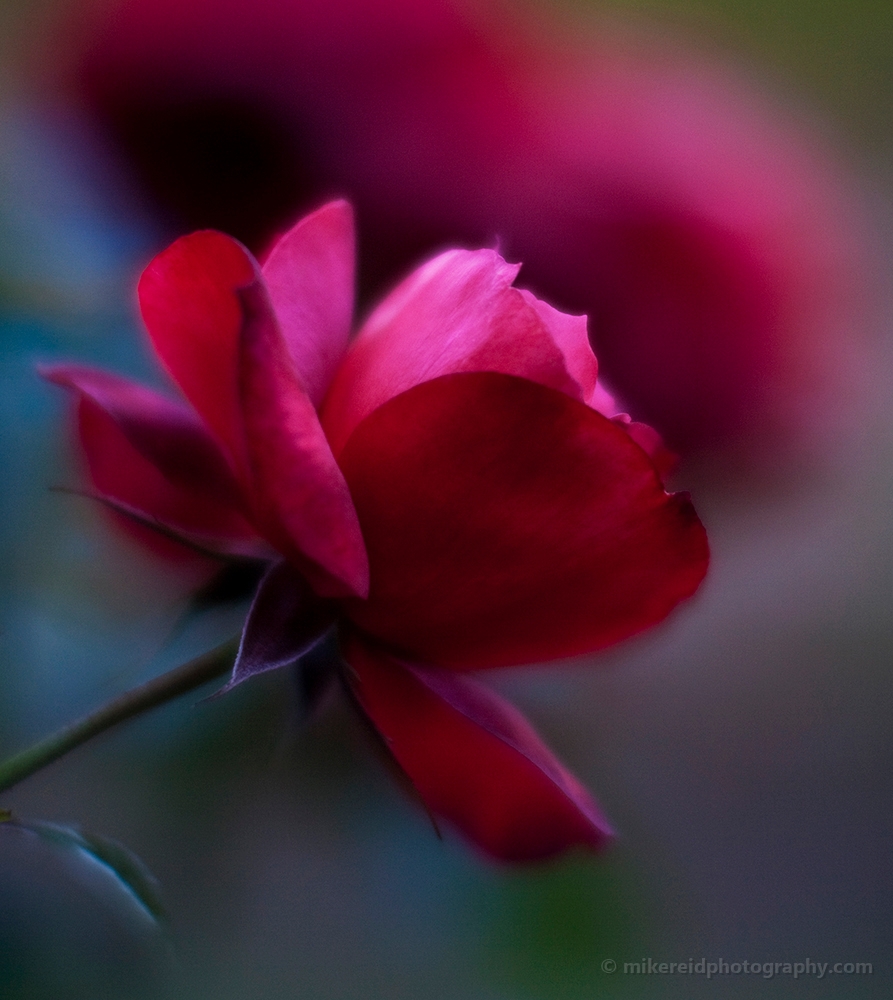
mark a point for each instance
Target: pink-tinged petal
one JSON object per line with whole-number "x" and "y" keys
{"x": 302, "y": 500}
{"x": 457, "y": 313}
{"x": 188, "y": 296}
{"x": 165, "y": 433}
{"x": 603, "y": 401}
{"x": 286, "y": 619}
{"x": 310, "y": 277}
{"x": 507, "y": 523}
{"x": 571, "y": 336}
{"x": 474, "y": 759}
{"x": 124, "y": 476}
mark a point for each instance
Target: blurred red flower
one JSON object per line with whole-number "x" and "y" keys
{"x": 443, "y": 488}
{"x": 713, "y": 246}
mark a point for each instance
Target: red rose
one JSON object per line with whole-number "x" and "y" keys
{"x": 442, "y": 489}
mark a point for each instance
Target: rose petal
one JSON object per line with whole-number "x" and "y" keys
{"x": 456, "y": 313}
{"x": 310, "y": 277}
{"x": 508, "y": 523}
{"x": 193, "y": 315}
{"x": 571, "y": 336}
{"x": 302, "y": 499}
{"x": 165, "y": 433}
{"x": 647, "y": 438}
{"x": 603, "y": 401}
{"x": 122, "y": 474}
{"x": 156, "y": 533}
{"x": 286, "y": 619}
{"x": 474, "y": 759}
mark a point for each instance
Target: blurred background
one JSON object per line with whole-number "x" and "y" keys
{"x": 711, "y": 182}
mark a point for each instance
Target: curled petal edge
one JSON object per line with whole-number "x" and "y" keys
{"x": 302, "y": 499}
{"x": 457, "y": 313}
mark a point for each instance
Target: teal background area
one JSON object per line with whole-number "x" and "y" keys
{"x": 744, "y": 750}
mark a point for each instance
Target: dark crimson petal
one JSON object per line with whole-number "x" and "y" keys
{"x": 286, "y": 619}
{"x": 232, "y": 552}
{"x": 474, "y": 759}
{"x": 301, "y": 497}
{"x": 165, "y": 433}
{"x": 508, "y": 523}
{"x": 647, "y": 438}
{"x": 193, "y": 315}
{"x": 122, "y": 474}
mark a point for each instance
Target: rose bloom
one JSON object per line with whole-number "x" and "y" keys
{"x": 450, "y": 490}
{"x": 710, "y": 240}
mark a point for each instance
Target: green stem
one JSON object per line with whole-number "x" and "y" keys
{"x": 159, "y": 690}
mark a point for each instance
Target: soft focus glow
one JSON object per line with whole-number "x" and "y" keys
{"x": 713, "y": 244}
